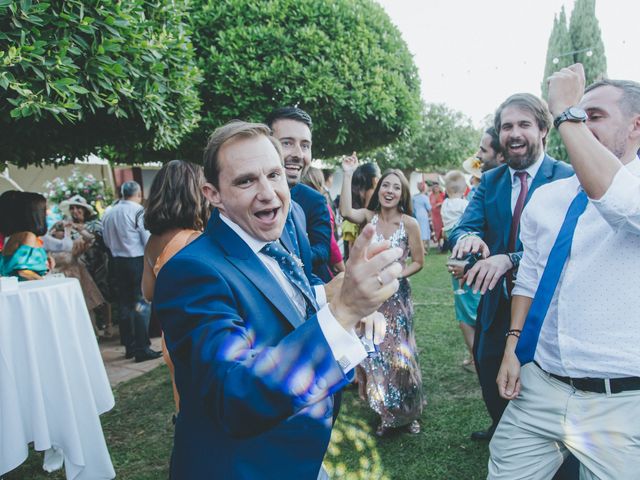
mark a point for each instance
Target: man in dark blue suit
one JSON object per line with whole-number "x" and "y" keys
{"x": 292, "y": 127}
{"x": 489, "y": 226}
{"x": 257, "y": 355}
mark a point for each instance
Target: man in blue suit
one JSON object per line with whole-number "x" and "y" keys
{"x": 292, "y": 126}
{"x": 489, "y": 227}
{"x": 257, "y": 358}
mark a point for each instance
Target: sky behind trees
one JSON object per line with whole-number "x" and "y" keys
{"x": 472, "y": 55}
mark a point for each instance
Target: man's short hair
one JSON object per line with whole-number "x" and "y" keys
{"x": 232, "y": 130}
{"x": 629, "y": 101}
{"x": 129, "y": 189}
{"x": 289, "y": 113}
{"x": 495, "y": 139}
{"x": 454, "y": 182}
{"x": 526, "y": 101}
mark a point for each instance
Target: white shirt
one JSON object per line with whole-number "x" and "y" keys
{"x": 592, "y": 327}
{"x": 123, "y": 229}
{"x": 515, "y": 181}
{"x": 345, "y": 346}
{"x": 451, "y": 211}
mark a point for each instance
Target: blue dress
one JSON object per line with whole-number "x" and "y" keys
{"x": 421, "y": 209}
{"x": 24, "y": 258}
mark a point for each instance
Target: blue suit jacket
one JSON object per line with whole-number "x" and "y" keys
{"x": 255, "y": 379}
{"x": 489, "y": 215}
{"x": 316, "y": 212}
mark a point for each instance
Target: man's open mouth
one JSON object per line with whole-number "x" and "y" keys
{"x": 268, "y": 214}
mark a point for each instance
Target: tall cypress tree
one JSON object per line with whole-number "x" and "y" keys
{"x": 558, "y": 47}
{"x": 585, "y": 35}
{"x": 582, "y": 36}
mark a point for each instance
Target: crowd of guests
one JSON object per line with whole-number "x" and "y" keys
{"x": 265, "y": 318}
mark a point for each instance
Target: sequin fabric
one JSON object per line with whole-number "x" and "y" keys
{"x": 391, "y": 381}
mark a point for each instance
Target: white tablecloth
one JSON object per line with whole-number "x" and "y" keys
{"x": 53, "y": 385}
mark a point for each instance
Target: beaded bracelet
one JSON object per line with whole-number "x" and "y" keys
{"x": 514, "y": 332}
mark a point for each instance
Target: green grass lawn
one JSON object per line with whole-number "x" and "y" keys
{"x": 139, "y": 431}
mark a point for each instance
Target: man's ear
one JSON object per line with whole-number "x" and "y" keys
{"x": 545, "y": 135}
{"x": 634, "y": 132}
{"x": 213, "y": 195}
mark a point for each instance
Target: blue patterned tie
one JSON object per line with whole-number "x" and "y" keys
{"x": 526, "y": 348}
{"x": 291, "y": 266}
{"x": 291, "y": 230}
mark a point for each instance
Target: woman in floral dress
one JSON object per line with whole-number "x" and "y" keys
{"x": 391, "y": 381}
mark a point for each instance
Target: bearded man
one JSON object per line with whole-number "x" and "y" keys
{"x": 489, "y": 228}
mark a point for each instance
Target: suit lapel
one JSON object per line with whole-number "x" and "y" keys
{"x": 242, "y": 258}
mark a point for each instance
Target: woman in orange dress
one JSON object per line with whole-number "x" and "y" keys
{"x": 176, "y": 214}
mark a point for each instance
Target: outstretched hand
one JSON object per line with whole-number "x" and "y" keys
{"x": 370, "y": 278}
{"x": 350, "y": 163}
{"x": 486, "y": 274}
{"x": 470, "y": 244}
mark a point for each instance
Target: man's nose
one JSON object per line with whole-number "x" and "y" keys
{"x": 297, "y": 150}
{"x": 265, "y": 189}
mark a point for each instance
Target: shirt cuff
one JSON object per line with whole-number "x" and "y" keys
{"x": 522, "y": 291}
{"x": 321, "y": 295}
{"x": 345, "y": 346}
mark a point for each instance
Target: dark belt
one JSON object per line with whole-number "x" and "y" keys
{"x": 598, "y": 385}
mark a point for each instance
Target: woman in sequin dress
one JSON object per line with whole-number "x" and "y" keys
{"x": 391, "y": 381}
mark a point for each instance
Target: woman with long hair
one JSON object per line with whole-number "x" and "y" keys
{"x": 23, "y": 255}
{"x": 176, "y": 214}
{"x": 363, "y": 182}
{"x": 391, "y": 381}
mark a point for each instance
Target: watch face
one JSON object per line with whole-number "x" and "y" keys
{"x": 575, "y": 113}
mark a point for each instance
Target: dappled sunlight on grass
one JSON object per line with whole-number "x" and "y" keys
{"x": 355, "y": 436}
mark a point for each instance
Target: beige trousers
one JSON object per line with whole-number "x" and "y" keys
{"x": 550, "y": 418}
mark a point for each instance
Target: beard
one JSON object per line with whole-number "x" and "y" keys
{"x": 524, "y": 160}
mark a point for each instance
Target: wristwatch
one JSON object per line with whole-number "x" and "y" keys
{"x": 571, "y": 114}
{"x": 515, "y": 259}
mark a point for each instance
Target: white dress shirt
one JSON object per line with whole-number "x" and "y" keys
{"x": 591, "y": 328}
{"x": 515, "y": 181}
{"x": 123, "y": 229}
{"x": 345, "y": 346}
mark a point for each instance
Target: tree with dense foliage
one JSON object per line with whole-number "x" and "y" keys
{"x": 107, "y": 76}
{"x": 586, "y": 37}
{"x": 342, "y": 61}
{"x": 580, "y": 42}
{"x": 557, "y": 49}
{"x": 443, "y": 139}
